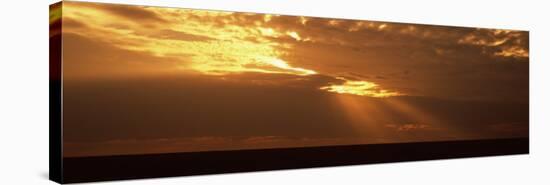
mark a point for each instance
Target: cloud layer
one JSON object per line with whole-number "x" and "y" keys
{"x": 174, "y": 77}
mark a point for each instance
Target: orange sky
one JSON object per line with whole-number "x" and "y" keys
{"x": 208, "y": 80}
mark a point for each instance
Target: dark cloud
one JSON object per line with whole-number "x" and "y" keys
{"x": 193, "y": 107}
{"x": 86, "y": 58}
{"x": 200, "y": 106}
{"x": 435, "y": 68}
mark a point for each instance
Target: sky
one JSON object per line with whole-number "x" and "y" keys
{"x": 161, "y": 80}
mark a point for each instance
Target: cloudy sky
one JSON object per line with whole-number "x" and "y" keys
{"x": 157, "y": 80}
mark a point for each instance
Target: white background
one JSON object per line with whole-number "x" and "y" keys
{"x": 24, "y": 92}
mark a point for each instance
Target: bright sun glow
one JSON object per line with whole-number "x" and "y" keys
{"x": 283, "y": 65}
{"x": 361, "y": 88}
{"x": 294, "y": 35}
{"x": 206, "y": 48}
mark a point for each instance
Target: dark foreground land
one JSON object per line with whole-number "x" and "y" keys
{"x": 85, "y": 169}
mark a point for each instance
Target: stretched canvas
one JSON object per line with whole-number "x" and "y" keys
{"x": 142, "y": 91}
